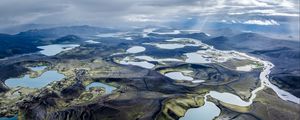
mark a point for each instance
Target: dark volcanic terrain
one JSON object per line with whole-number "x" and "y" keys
{"x": 143, "y": 91}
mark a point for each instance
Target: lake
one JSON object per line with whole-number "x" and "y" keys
{"x": 143, "y": 64}
{"x": 37, "y": 82}
{"x": 108, "y": 88}
{"x": 206, "y": 112}
{"x": 178, "y": 76}
{"x": 50, "y": 50}
{"x": 136, "y": 49}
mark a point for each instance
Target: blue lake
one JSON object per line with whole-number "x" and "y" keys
{"x": 108, "y": 88}
{"x": 38, "y": 82}
{"x": 206, "y": 112}
{"x": 50, "y": 50}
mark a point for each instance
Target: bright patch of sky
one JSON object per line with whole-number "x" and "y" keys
{"x": 262, "y": 22}
{"x": 252, "y": 22}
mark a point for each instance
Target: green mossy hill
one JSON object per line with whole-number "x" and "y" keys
{"x": 175, "y": 108}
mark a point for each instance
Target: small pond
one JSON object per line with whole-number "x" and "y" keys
{"x": 108, "y": 88}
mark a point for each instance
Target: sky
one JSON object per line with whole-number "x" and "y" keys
{"x": 192, "y": 14}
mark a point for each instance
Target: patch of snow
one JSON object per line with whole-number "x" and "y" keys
{"x": 92, "y": 41}
{"x": 128, "y": 38}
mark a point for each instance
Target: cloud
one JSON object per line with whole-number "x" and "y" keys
{"x": 141, "y": 18}
{"x": 249, "y": 3}
{"x": 141, "y": 12}
{"x": 261, "y": 22}
{"x": 252, "y": 22}
{"x": 266, "y": 12}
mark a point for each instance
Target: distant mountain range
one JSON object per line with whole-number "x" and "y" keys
{"x": 84, "y": 30}
{"x": 25, "y": 27}
{"x": 250, "y": 42}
